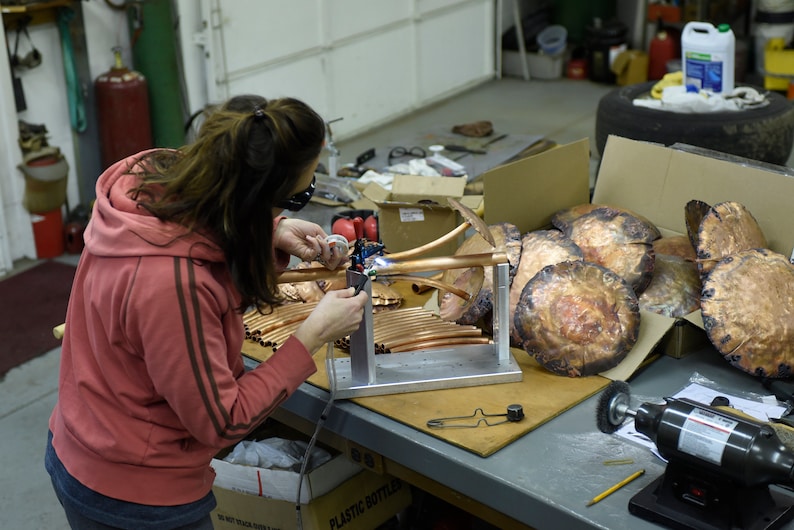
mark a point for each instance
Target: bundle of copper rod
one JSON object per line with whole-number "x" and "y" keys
{"x": 272, "y": 329}
{"x": 427, "y": 330}
{"x": 389, "y": 329}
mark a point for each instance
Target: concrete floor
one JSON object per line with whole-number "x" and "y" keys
{"x": 561, "y": 110}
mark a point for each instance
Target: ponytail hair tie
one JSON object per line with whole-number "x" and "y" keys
{"x": 259, "y": 114}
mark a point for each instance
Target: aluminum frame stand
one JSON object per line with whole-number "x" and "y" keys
{"x": 365, "y": 374}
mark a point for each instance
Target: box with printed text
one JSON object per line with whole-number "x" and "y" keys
{"x": 361, "y": 502}
{"x": 416, "y": 212}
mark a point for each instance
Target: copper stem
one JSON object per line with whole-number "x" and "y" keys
{"x": 418, "y": 265}
{"x": 423, "y": 287}
{"x": 419, "y": 280}
{"x": 418, "y": 251}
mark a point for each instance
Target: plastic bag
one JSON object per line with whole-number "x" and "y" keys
{"x": 276, "y": 453}
{"x": 678, "y": 99}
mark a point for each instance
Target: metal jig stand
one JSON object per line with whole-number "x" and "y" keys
{"x": 365, "y": 374}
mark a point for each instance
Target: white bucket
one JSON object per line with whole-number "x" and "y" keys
{"x": 553, "y": 39}
{"x": 775, "y": 6}
{"x": 707, "y": 56}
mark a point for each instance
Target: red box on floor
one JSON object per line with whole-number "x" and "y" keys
{"x": 48, "y": 233}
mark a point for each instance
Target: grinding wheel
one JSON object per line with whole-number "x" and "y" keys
{"x": 748, "y": 312}
{"x": 577, "y": 318}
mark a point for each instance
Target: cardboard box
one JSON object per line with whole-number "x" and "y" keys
{"x": 360, "y": 503}
{"x": 654, "y": 181}
{"x": 281, "y": 483}
{"x": 416, "y": 212}
{"x": 630, "y": 67}
{"x": 778, "y": 65}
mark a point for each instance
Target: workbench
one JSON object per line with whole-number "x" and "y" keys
{"x": 543, "y": 479}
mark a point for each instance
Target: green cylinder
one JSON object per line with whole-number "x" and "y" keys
{"x": 576, "y": 15}
{"x": 152, "y": 33}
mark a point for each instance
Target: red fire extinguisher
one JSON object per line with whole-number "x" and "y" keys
{"x": 122, "y": 98}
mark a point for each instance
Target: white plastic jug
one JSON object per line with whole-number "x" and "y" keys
{"x": 708, "y": 54}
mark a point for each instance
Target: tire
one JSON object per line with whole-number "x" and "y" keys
{"x": 764, "y": 134}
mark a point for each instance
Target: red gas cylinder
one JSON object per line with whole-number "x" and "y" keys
{"x": 663, "y": 48}
{"x": 122, "y": 98}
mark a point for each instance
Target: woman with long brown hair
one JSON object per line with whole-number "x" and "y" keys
{"x": 180, "y": 243}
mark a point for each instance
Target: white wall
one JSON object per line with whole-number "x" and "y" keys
{"x": 368, "y": 61}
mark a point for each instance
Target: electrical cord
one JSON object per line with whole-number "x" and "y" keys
{"x": 331, "y": 371}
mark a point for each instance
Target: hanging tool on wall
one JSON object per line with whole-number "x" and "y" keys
{"x": 74, "y": 89}
{"x": 14, "y": 62}
{"x": 33, "y": 57}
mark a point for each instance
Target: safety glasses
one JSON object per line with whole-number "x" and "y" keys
{"x": 299, "y": 200}
{"x": 399, "y": 152}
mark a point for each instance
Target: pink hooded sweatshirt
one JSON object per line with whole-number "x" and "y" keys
{"x": 152, "y": 383}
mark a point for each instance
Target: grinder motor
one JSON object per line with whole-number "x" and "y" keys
{"x": 721, "y": 462}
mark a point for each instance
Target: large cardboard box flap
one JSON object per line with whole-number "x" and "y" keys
{"x": 654, "y": 181}
{"x": 529, "y": 191}
{"x": 657, "y": 182}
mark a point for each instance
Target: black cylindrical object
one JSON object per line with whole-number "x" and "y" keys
{"x": 743, "y": 450}
{"x": 603, "y": 42}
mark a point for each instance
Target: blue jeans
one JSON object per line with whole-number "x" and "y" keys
{"x": 78, "y": 521}
{"x": 89, "y": 510}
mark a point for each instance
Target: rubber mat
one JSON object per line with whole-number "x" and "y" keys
{"x": 31, "y": 304}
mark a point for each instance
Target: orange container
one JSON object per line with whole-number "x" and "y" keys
{"x": 663, "y": 48}
{"x": 48, "y": 233}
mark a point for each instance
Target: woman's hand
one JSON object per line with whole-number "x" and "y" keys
{"x": 337, "y": 315}
{"x": 306, "y": 240}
